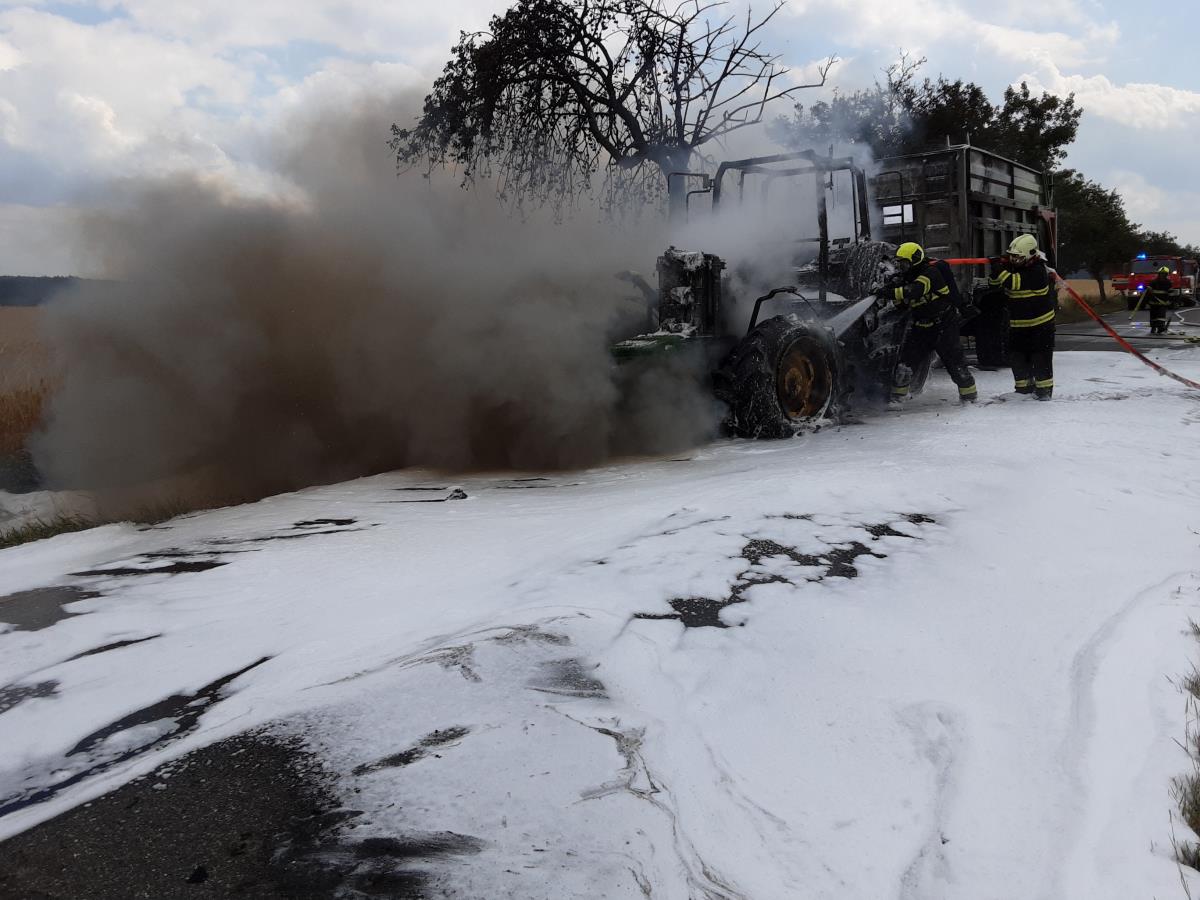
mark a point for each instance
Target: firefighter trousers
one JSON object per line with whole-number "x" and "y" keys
{"x": 1031, "y": 354}
{"x": 1158, "y": 318}
{"x": 943, "y": 338}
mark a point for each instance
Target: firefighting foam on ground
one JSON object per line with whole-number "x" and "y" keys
{"x": 792, "y": 528}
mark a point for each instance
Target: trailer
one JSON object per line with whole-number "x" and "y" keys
{"x": 964, "y": 202}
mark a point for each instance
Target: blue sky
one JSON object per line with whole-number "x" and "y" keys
{"x": 95, "y": 92}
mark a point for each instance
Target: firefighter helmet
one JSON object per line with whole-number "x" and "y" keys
{"x": 1023, "y": 247}
{"x": 1165, "y": 270}
{"x": 909, "y": 255}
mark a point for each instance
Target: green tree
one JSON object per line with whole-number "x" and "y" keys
{"x": 1163, "y": 243}
{"x": 1095, "y": 233}
{"x": 880, "y": 118}
{"x": 557, "y": 90}
{"x": 1034, "y": 130}
{"x": 900, "y": 115}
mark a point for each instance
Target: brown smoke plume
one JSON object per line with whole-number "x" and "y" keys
{"x": 380, "y": 322}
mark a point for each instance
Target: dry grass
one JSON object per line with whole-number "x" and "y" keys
{"x": 1069, "y": 312}
{"x": 1087, "y": 289}
{"x": 20, "y": 413}
{"x": 38, "y": 529}
{"x": 144, "y": 505}
{"x": 26, "y": 377}
{"x": 1186, "y": 788}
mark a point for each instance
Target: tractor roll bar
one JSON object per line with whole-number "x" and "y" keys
{"x": 819, "y": 166}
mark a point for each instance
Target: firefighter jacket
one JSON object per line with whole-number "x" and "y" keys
{"x": 924, "y": 290}
{"x": 1158, "y": 292}
{"x": 1030, "y": 293}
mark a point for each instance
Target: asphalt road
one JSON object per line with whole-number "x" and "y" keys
{"x": 243, "y": 818}
{"x": 1090, "y": 336}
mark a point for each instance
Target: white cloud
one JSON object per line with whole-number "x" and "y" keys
{"x": 141, "y": 80}
{"x": 159, "y": 85}
{"x": 1047, "y": 47}
{"x": 810, "y": 72}
{"x": 10, "y": 57}
{"x": 354, "y": 26}
{"x": 1010, "y": 32}
{"x": 1154, "y": 107}
{"x": 1173, "y": 207}
{"x": 93, "y": 103}
{"x": 1143, "y": 201}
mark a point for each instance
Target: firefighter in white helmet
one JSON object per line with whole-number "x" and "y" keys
{"x": 1158, "y": 298}
{"x": 1031, "y": 299}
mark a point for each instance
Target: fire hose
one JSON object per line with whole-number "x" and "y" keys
{"x": 1083, "y": 304}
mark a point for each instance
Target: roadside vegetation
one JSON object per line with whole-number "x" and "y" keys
{"x": 43, "y": 528}
{"x": 25, "y": 380}
{"x": 1069, "y": 312}
{"x": 20, "y": 412}
{"x": 152, "y": 513}
{"x": 145, "y": 512}
{"x": 1186, "y": 788}
{"x": 26, "y": 383}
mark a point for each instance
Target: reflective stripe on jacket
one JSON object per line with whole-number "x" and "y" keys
{"x": 1030, "y": 294}
{"x": 1158, "y": 291}
{"x": 926, "y": 293}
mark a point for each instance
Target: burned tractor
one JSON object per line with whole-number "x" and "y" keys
{"x": 817, "y": 342}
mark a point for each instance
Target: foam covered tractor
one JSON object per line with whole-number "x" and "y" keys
{"x": 815, "y": 343}
{"x": 806, "y": 362}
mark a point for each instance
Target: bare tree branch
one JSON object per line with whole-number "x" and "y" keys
{"x": 556, "y": 91}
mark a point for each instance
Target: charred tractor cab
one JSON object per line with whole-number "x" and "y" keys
{"x": 801, "y": 340}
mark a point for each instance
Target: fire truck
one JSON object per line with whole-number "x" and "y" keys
{"x": 1144, "y": 269}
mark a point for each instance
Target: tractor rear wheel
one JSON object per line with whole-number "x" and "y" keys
{"x": 780, "y": 376}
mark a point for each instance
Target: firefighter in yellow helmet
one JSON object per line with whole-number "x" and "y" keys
{"x": 927, "y": 290}
{"x": 1158, "y": 298}
{"x": 1032, "y": 300}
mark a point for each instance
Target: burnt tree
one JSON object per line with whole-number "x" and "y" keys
{"x": 558, "y": 90}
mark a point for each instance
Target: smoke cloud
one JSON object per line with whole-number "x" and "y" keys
{"x": 366, "y": 323}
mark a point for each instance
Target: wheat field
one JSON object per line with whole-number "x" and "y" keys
{"x": 26, "y": 376}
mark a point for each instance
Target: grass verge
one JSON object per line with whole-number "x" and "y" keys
{"x": 1185, "y": 789}
{"x": 20, "y": 413}
{"x": 43, "y": 528}
{"x": 147, "y": 511}
{"x": 1069, "y": 312}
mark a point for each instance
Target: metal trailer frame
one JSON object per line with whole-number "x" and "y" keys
{"x": 966, "y": 202}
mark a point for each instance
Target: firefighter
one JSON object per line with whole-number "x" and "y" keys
{"x": 922, "y": 288}
{"x": 1158, "y": 298}
{"x": 1031, "y": 299}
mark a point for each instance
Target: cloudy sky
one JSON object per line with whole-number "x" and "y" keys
{"x": 95, "y": 91}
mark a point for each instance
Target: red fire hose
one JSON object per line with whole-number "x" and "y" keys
{"x": 1083, "y": 304}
